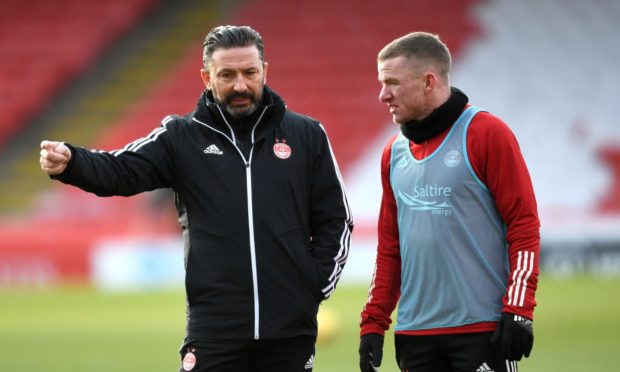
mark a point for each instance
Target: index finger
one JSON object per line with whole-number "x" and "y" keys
{"x": 48, "y": 145}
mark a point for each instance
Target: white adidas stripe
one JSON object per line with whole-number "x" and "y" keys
{"x": 137, "y": 144}
{"x": 527, "y": 277}
{"x": 514, "y": 279}
{"x": 520, "y": 283}
{"x": 511, "y": 366}
{"x": 310, "y": 362}
{"x": 345, "y": 238}
{"x": 520, "y": 276}
{"x": 151, "y": 138}
{"x": 166, "y": 120}
{"x": 340, "y": 260}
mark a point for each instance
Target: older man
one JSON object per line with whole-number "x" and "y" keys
{"x": 261, "y": 203}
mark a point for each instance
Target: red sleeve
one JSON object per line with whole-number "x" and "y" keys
{"x": 497, "y": 160}
{"x": 385, "y": 287}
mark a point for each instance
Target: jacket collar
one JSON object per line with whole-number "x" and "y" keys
{"x": 268, "y": 114}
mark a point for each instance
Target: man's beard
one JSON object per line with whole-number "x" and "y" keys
{"x": 239, "y": 112}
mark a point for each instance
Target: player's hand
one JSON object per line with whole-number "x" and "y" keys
{"x": 54, "y": 158}
{"x": 514, "y": 336}
{"x": 371, "y": 352}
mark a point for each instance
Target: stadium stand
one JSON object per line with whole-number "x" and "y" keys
{"x": 45, "y": 44}
{"x": 322, "y": 56}
{"x": 104, "y": 93}
{"x": 330, "y": 75}
{"x": 74, "y": 220}
{"x": 552, "y": 79}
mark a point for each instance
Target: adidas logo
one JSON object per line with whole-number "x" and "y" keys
{"x": 310, "y": 362}
{"x": 484, "y": 368}
{"x": 213, "y": 150}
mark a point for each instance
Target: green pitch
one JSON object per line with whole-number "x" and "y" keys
{"x": 577, "y": 328}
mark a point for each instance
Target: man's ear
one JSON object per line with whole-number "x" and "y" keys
{"x": 265, "y": 65}
{"x": 206, "y": 77}
{"x": 430, "y": 81}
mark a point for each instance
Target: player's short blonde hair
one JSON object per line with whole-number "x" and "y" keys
{"x": 422, "y": 46}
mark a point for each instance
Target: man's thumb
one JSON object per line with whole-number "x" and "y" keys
{"x": 55, "y": 146}
{"x": 50, "y": 145}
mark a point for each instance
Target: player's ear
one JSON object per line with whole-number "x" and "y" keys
{"x": 206, "y": 77}
{"x": 430, "y": 81}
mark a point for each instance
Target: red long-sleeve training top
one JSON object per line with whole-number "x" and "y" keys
{"x": 496, "y": 159}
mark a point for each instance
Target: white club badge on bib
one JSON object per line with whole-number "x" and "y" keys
{"x": 452, "y": 159}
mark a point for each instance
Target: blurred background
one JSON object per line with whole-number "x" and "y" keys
{"x": 96, "y": 284}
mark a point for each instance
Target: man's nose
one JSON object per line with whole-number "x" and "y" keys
{"x": 385, "y": 95}
{"x": 240, "y": 84}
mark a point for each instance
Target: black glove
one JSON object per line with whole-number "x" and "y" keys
{"x": 513, "y": 337}
{"x": 371, "y": 352}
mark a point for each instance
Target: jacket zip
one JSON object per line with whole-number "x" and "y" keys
{"x": 248, "y": 176}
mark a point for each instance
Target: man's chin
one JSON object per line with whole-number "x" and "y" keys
{"x": 241, "y": 111}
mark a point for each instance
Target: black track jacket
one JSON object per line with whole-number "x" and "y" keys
{"x": 266, "y": 237}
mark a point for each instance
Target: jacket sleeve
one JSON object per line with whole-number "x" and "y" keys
{"x": 384, "y": 290}
{"x": 497, "y": 160}
{"x": 331, "y": 222}
{"x": 143, "y": 165}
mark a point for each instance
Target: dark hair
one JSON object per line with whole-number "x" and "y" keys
{"x": 231, "y": 37}
{"x": 419, "y": 45}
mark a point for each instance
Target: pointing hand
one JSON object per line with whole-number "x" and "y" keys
{"x": 55, "y": 157}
